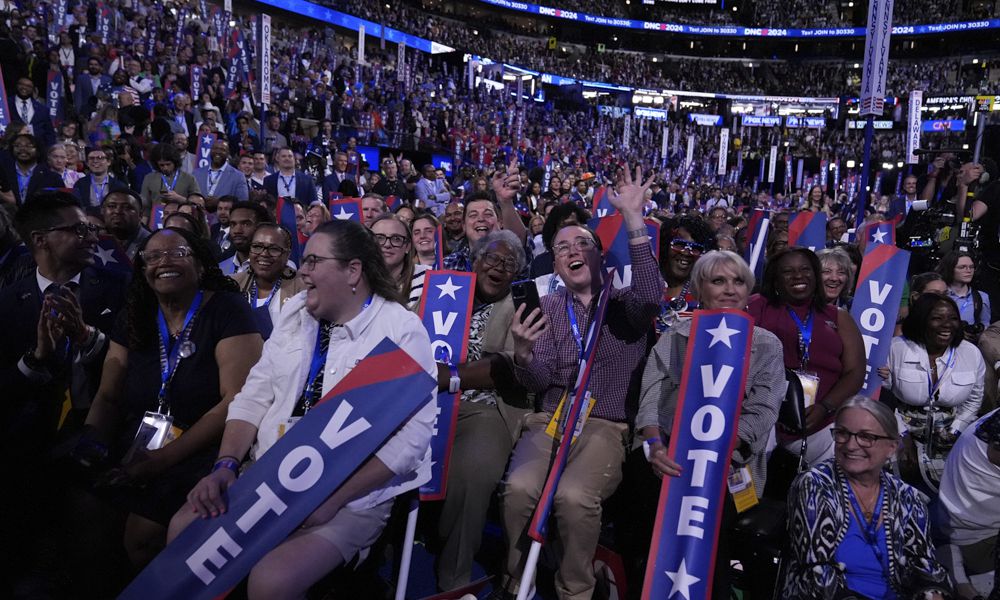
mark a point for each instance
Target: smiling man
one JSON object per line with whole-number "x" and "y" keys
{"x": 243, "y": 220}
{"x": 221, "y": 178}
{"x": 481, "y": 217}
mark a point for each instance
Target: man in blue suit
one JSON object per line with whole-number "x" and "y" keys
{"x": 221, "y": 178}
{"x": 98, "y": 183}
{"x": 25, "y": 109}
{"x": 86, "y": 85}
{"x": 339, "y": 175}
{"x": 901, "y": 204}
{"x": 289, "y": 182}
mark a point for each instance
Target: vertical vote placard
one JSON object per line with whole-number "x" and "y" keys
{"x": 682, "y": 552}
{"x": 876, "y": 305}
{"x": 614, "y": 239}
{"x": 272, "y": 498}
{"x": 446, "y": 312}
{"x": 807, "y": 230}
{"x": 204, "y": 156}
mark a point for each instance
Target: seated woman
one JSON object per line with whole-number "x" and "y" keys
{"x": 920, "y": 284}
{"x": 720, "y": 279}
{"x": 269, "y": 282}
{"x": 855, "y": 530}
{"x": 837, "y": 277}
{"x": 820, "y": 341}
{"x": 180, "y": 306}
{"x": 424, "y": 231}
{"x": 682, "y": 242}
{"x": 349, "y": 307}
{"x": 393, "y": 238}
{"x": 937, "y": 378}
{"x": 492, "y": 404}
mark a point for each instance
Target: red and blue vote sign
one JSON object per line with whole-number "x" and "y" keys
{"x": 156, "y": 217}
{"x": 446, "y": 312}
{"x": 393, "y": 203}
{"x": 807, "y": 230}
{"x": 614, "y": 239}
{"x": 110, "y": 255}
{"x": 876, "y": 305}
{"x": 682, "y": 552}
{"x": 4, "y": 108}
{"x": 882, "y": 232}
{"x": 54, "y": 96}
{"x": 346, "y": 209}
{"x": 285, "y": 212}
{"x": 272, "y": 498}
{"x": 760, "y": 222}
{"x": 602, "y": 203}
{"x": 204, "y": 155}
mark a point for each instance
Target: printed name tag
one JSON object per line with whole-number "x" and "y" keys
{"x": 810, "y": 386}
{"x": 742, "y": 488}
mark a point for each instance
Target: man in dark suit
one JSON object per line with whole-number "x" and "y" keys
{"x": 221, "y": 178}
{"x": 86, "y": 85}
{"x": 25, "y": 109}
{"x": 26, "y": 176}
{"x": 183, "y": 121}
{"x": 98, "y": 183}
{"x": 901, "y": 204}
{"x": 289, "y": 182}
{"x": 339, "y": 175}
{"x": 55, "y": 325}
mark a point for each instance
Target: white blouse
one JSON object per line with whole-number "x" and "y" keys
{"x": 962, "y": 378}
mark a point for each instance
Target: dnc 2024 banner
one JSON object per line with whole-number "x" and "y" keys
{"x": 682, "y": 552}
{"x": 290, "y": 480}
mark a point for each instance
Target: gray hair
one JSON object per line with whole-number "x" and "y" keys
{"x": 840, "y": 259}
{"x": 707, "y": 265}
{"x": 882, "y": 413}
{"x": 503, "y": 236}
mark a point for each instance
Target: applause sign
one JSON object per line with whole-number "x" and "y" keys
{"x": 682, "y": 552}
{"x": 287, "y": 483}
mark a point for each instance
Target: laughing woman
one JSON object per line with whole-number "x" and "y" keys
{"x": 682, "y": 242}
{"x": 837, "y": 276}
{"x": 393, "y": 237}
{"x": 347, "y": 310}
{"x": 269, "y": 282}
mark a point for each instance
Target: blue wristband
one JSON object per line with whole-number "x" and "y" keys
{"x": 227, "y": 463}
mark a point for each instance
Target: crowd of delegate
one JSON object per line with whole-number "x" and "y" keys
{"x": 161, "y": 332}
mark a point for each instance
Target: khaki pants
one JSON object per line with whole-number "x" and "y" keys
{"x": 592, "y": 474}
{"x": 478, "y": 458}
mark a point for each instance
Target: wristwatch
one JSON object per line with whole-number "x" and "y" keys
{"x": 634, "y": 234}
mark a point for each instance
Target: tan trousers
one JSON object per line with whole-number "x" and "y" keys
{"x": 592, "y": 474}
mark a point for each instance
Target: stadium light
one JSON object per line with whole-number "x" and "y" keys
{"x": 850, "y": 164}
{"x": 965, "y": 146}
{"x": 857, "y": 66}
{"x": 975, "y": 61}
{"x": 735, "y": 9}
{"x": 888, "y": 166}
{"x": 900, "y": 164}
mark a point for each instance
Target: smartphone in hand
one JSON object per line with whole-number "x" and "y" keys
{"x": 525, "y": 292}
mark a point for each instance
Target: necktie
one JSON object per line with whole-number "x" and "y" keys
{"x": 24, "y": 111}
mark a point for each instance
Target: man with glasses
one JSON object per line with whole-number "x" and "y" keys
{"x": 26, "y": 176}
{"x": 91, "y": 189}
{"x": 120, "y": 212}
{"x": 548, "y": 346}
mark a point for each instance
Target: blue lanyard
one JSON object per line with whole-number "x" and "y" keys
{"x": 170, "y": 351}
{"x": 99, "y": 192}
{"x": 805, "y": 334}
{"x": 288, "y": 184}
{"x": 253, "y": 293}
{"x": 23, "y": 181}
{"x": 575, "y": 327}
{"x": 933, "y": 389}
{"x": 172, "y": 185}
{"x": 213, "y": 181}
{"x": 318, "y": 361}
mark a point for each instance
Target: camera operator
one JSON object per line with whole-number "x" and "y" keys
{"x": 985, "y": 213}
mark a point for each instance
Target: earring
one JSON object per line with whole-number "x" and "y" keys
{"x": 354, "y": 290}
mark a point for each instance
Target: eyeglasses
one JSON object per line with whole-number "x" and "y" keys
{"x": 395, "y": 240}
{"x": 309, "y": 262}
{"x": 155, "y": 257}
{"x": 272, "y": 251}
{"x": 580, "y": 244}
{"x": 82, "y": 230}
{"x": 865, "y": 439}
{"x": 687, "y": 247}
{"x": 505, "y": 263}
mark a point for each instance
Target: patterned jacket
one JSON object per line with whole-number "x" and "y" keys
{"x": 818, "y": 518}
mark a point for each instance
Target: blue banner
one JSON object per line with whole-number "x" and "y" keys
{"x": 194, "y": 74}
{"x": 683, "y": 548}
{"x": 152, "y": 33}
{"x": 755, "y": 121}
{"x": 614, "y": 239}
{"x": 54, "y": 97}
{"x": 284, "y": 211}
{"x": 807, "y": 230}
{"x": 943, "y": 125}
{"x": 446, "y": 311}
{"x": 733, "y": 30}
{"x": 346, "y": 209}
{"x": 706, "y": 120}
{"x": 234, "y": 72}
{"x": 757, "y": 230}
{"x": 272, "y": 498}
{"x": 4, "y": 108}
{"x": 103, "y": 22}
{"x": 602, "y": 203}
{"x": 876, "y": 305}
{"x": 204, "y": 155}
{"x": 808, "y": 122}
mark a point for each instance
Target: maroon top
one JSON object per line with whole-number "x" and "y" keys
{"x": 826, "y": 348}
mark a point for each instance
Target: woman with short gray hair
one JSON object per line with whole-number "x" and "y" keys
{"x": 836, "y": 276}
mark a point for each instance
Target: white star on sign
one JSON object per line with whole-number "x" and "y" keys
{"x": 722, "y": 333}
{"x": 879, "y": 236}
{"x": 106, "y": 255}
{"x": 448, "y": 289}
{"x": 343, "y": 215}
{"x": 681, "y": 581}
{"x": 207, "y": 140}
